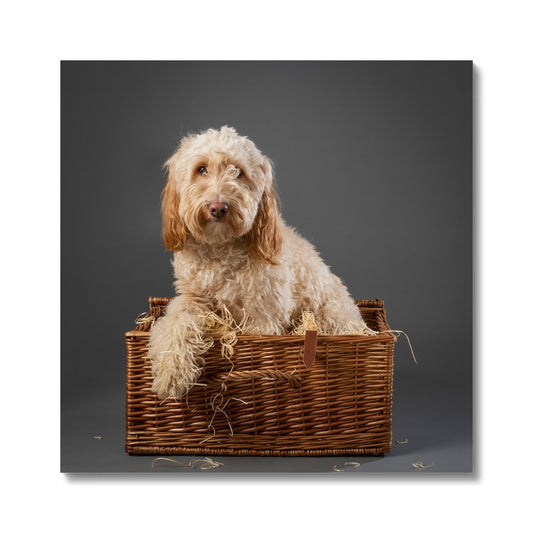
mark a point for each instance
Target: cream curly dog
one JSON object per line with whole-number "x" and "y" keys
{"x": 232, "y": 248}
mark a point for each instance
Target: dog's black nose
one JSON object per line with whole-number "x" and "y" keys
{"x": 218, "y": 209}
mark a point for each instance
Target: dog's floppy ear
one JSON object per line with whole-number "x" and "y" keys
{"x": 173, "y": 232}
{"x": 264, "y": 239}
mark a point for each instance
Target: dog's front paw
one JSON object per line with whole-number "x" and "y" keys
{"x": 174, "y": 373}
{"x": 169, "y": 381}
{"x": 176, "y": 359}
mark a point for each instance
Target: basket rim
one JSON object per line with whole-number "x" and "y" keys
{"x": 377, "y": 304}
{"x": 349, "y": 337}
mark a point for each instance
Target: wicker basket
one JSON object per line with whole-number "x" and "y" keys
{"x": 267, "y": 401}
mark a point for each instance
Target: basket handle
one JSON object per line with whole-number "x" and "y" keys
{"x": 268, "y": 375}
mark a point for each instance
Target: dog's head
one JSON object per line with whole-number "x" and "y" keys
{"x": 219, "y": 189}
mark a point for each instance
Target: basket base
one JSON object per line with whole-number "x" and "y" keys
{"x": 178, "y": 450}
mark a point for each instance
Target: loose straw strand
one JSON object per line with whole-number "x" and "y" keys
{"x": 420, "y": 466}
{"x": 348, "y": 463}
{"x": 204, "y": 464}
{"x": 145, "y": 320}
{"x": 398, "y": 332}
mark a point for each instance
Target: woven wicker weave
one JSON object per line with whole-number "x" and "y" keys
{"x": 266, "y": 401}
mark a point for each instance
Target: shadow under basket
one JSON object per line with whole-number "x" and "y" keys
{"x": 265, "y": 400}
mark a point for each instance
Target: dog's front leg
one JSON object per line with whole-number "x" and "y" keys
{"x": 176, "y": 346}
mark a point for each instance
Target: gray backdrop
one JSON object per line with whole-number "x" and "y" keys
{"x": 373, "y": 164}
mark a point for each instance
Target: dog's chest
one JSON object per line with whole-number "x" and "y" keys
{"x": 219, "y": 279}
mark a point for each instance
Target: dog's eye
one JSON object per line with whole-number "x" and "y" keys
{"x": 202, "y": 171}
{"x": 238, "y": 172}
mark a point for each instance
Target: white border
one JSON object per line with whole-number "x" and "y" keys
{"x": 37, "y": 35}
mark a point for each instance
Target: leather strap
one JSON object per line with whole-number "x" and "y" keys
{"x": 310, "y": 347}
